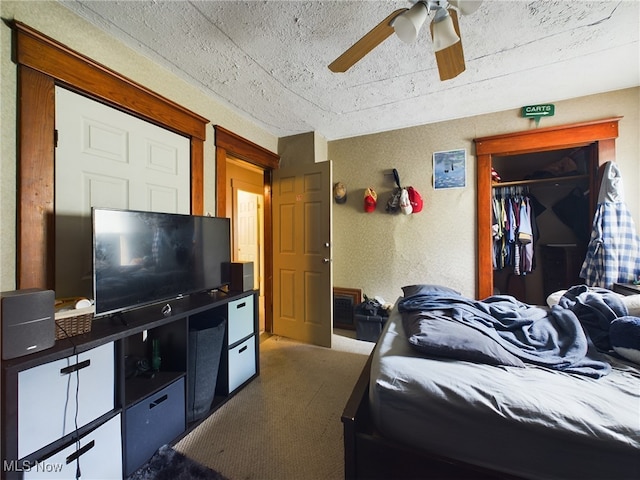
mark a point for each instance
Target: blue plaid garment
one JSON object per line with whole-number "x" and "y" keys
{"x": 613, "y": 254}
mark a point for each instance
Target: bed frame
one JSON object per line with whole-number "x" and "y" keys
{"x": 368, "y": 455}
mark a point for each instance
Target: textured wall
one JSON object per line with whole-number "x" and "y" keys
{"x": 379, "y": 252}
{"x": 57, "y": 22}
{"x": 376, "y": 252}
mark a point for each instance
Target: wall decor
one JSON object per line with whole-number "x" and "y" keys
{"x": 450, "y": 169}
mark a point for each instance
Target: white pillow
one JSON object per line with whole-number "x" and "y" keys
{"x": 632, "y": 302}
{"x": 554, "y": 298}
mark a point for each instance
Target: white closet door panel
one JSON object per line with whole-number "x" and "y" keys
{"x": 107, "y": 158}
{"x": 162, "y": 199}
{"x": 162, "y": 158}
{"x": 160, "y": 164}
{"x": 101, "y": 142}
{"x": 108, "y": 192}
{"x": 95, "y": 138}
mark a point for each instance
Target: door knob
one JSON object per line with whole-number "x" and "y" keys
{"x": 326, "y": 260}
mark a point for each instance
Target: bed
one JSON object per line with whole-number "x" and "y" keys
{"x": 413, "y": 414}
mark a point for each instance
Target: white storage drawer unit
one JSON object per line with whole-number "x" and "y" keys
{"x": 47, "y": 396}
{"x": 242, "y": 363}
{"x": 99, "y": 455}
{"x": 240, "y": 321}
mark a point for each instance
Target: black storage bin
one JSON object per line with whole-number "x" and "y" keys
{"x": 152, "y": 422}
{"x": 206, "y": 336}
{"x": 369, "y": 327}
{"x": 370, "y": 317}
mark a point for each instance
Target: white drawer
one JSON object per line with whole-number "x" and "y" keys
{"x": 47, "y": 396}
{"x": 240, "y": 322}
{"x": 99, "y": 455}
{"x": 242, "y": 363}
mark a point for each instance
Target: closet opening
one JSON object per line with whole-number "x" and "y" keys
{"x": 591, "y": 144}
{"x": 541, "y": 221}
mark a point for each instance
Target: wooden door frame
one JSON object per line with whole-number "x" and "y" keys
{"x": 600, "y": 134}
{"x": 43, "y": 64}
{"x": 228, "y": 144}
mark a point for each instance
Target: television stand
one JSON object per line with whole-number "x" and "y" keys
{"x": 124, "y": 412}
{"x": 121, "y": 318}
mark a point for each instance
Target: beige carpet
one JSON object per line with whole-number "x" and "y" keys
{"x": 284, "y": 425}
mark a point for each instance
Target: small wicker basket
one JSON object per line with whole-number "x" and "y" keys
{"x": 70, "y": 323}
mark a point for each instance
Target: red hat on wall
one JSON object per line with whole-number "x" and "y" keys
{"x": 415, "y": 199}
{"x": 370, "y": 200}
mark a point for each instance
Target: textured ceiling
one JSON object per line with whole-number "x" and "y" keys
{"x": 268, "y": 60}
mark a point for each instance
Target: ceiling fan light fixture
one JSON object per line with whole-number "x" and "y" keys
{"x": 466, "y": 7}
{"x": 409, "y": 23}
{"x": 444, "y": 34}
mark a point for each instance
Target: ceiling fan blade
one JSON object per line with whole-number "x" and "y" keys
{"x": 450, "y": 61}
{"x": 362, "y": 47}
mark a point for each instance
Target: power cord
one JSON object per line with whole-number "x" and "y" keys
{"x": 77, "y": 400}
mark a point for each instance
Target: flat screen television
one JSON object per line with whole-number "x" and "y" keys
{"x": 140, "y": 258}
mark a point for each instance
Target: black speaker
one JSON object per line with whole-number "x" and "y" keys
{"x": 28, "y": 321}
{"x": 241, "y": 276}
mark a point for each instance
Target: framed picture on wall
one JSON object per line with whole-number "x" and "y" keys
{"x": 450, "y": 169}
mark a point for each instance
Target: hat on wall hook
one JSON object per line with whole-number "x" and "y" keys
{"x": 340, "y": 192}
{"x": 370, "y": 200}
{"x": 415, "y": 199}
{"x": 399, "y": 199}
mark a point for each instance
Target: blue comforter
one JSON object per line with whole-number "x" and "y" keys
{"x": 509, "y": 329}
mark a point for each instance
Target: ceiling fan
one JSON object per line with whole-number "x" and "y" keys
{"x": 406, "y": 23}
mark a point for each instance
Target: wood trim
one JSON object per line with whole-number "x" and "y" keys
{"x": 44, "y": 63}
{"x": 36, "y": 179}
{"x": 245, "y": 150}
{"x": 550, "y": 138}
{"x": 230, "y": 144}
{"x": 484, "y": 219}
{"x": 197, "y": 176}
{"x": 52, "y": 58}
{"x": 268, "y": 249}
{"x": 221, "y": 181}
{"x": 599, "y": 133}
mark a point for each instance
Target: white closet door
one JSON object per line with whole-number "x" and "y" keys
{"x": 107, "y": 158}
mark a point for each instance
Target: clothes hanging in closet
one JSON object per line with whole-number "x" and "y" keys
{"x": 513, "y": 230}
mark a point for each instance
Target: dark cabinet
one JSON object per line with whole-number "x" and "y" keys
{"x": 561, "y": 266}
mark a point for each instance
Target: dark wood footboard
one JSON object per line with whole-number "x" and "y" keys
{"x": 368, "y": 455}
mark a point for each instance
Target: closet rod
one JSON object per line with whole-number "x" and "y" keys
{"x": 539, "y": 180}
{"x": 513, "y": 190}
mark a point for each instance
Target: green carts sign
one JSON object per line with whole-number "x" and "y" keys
{"x": 538, "y": 111}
